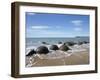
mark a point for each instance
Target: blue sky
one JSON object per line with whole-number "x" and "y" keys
{"x": 56, "y": 25}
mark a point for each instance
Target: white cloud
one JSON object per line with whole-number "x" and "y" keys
{"x": 31, "y": 13}
{"x": 42, "y": 31}
{"x": 78, "y": 25}
{"x": 40, "y": 27}
{"x": 43, "y": 27}
{"x": 45, "y": 33}
{"x": 78, "y": 29}
{"x": 77, "y": 22}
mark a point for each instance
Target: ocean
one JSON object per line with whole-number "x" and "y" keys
{"x": 38, "y": 41}
{"x": 33, "y": 43}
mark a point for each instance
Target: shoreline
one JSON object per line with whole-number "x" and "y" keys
{"x": 71, "y": 57}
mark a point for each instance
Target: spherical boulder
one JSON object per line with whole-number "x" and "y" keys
{"x": 59, "y": 42}
{"x": 44, "y": 43}
{"x": 80, "y": 43}
{"x": 31, "y": 52}
{"x": 64, "y": 47}
{"x": 54, "y": 47}
{"x": 70, "y": 43}
{"x": 85, "y": 42}
{"x": 42, "y": 50}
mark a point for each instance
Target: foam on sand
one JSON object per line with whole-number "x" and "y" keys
{"x": 79, "y": 54}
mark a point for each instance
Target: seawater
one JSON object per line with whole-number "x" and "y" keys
{"x": 33, "y": 43}
{"x": 38, "y": 41}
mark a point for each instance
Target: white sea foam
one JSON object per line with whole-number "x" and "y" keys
{"x": 58, "y": 53}
{"x": 53, "y": 55}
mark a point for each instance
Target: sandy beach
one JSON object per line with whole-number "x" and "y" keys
{"x": 56, "y": 39}
{"x": 79, "y": 55}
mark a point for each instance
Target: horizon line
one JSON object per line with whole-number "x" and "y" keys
{"x": 59, "y": 37}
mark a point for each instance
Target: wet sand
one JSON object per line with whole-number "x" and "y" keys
{"x": 76, "y": 58}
